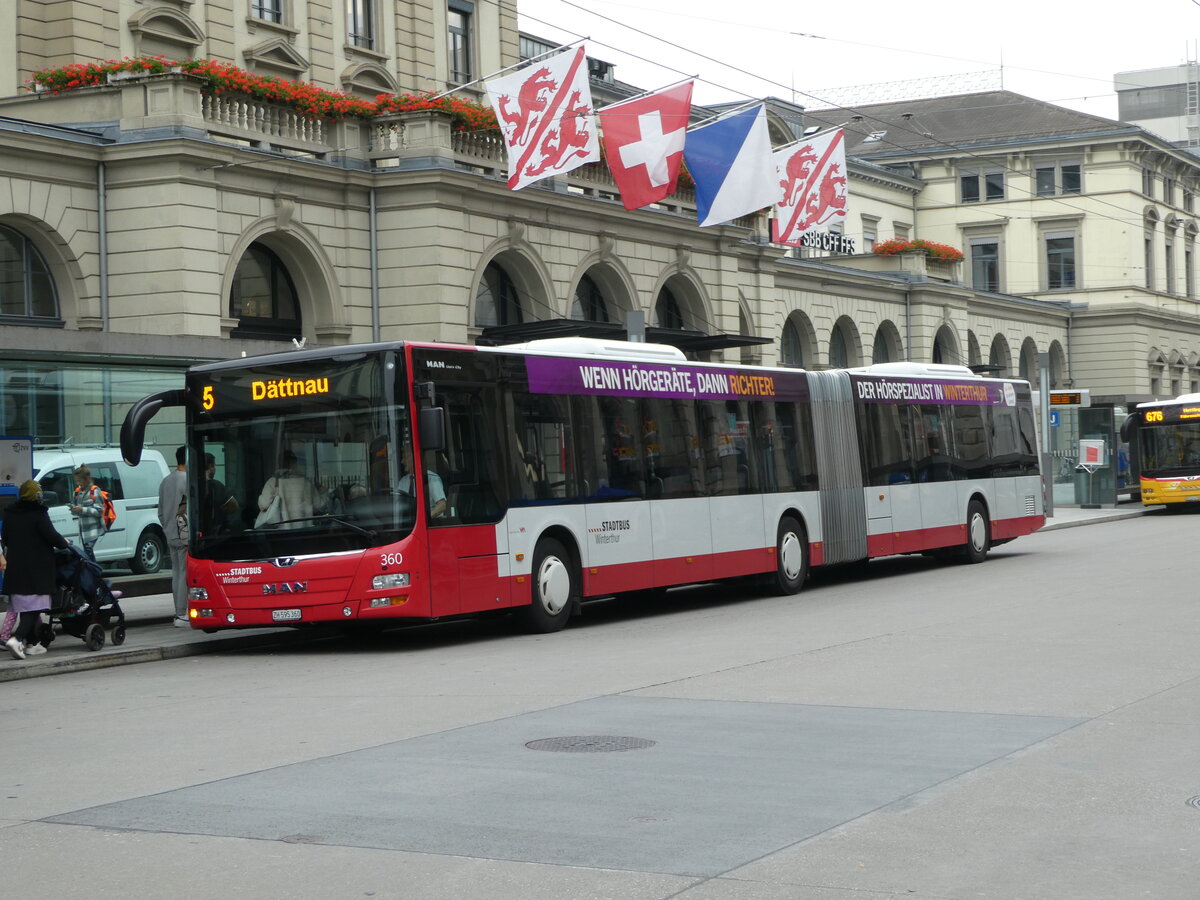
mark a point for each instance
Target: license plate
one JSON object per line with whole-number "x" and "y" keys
{"x": 285, "y": 615}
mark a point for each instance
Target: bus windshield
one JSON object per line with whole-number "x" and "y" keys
{"x": 1170, "y": 449}
{"x": 299, "y": 459}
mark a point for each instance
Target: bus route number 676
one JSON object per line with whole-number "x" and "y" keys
{"x": 391, "y": 559}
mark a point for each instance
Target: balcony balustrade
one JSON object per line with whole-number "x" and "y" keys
{"x": 411, "y": 140}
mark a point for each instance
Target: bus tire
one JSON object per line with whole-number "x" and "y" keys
{"x": 555, "y": 588}
{"x": 791, "y": 556}
{"x": 979, "y": 533}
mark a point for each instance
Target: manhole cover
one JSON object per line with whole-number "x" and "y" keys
{"x": 590, "y": 743}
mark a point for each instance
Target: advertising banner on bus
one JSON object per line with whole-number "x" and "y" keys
{"x": 884, "y": 389}
{"x": 552, "y": 375}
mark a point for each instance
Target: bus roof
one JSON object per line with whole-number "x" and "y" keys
{"x": 581, "y": 346}
{"x": 927, "y": 370}
{"x": 1181, "y": 399}
{"x": 599, "y": 348}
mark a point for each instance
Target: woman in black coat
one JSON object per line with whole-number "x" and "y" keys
{"x": 29, "y": 577}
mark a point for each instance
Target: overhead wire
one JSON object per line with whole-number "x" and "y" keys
{"x": 684, "y": 14}
{"x": 991, "y": 162}
{"x": 859, "y": 111}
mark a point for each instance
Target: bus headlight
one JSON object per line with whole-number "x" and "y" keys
{"x": 197, "y": 593}
{"x": 389, "y": 581}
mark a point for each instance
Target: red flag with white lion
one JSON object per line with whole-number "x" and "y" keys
{"x": 812, "y": 176}
{"x": 545, "y": 113}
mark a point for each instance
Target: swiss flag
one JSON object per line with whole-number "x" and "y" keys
{"x": 643, "y": 140}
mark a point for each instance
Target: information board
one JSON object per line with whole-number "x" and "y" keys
{"x": 16, "y": 462}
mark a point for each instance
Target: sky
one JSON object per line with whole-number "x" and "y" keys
{"x": 1060, "y": 51}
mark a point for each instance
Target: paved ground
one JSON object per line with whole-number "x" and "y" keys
{"x": 150, "y": 635}
{"x": 1023, "y": 730}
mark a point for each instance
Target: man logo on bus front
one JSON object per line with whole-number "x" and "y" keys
{"x": 287, "y": 587}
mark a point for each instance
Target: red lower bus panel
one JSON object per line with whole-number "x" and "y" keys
{"x": 601, "y": 580}
{"x": 946, "y": 536}
{"x": 743, "y": 562}
{"x": 1011, "y": 528}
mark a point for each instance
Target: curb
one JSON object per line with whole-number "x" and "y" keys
{"x": 1051, "y": 525}
{"x": 113, "y": 658}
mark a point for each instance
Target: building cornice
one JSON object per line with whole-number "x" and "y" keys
{"x": 1017, "y": 144}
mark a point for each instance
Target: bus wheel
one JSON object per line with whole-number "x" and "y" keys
{"x": 791, "y": 556}
{"x": 555, "y": 588}
{"x": 978, "y": 533}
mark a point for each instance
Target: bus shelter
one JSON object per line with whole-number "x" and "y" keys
{"x": 1090, "y": 463}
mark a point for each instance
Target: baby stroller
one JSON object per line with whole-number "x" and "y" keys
{"x": 84, "y": 604}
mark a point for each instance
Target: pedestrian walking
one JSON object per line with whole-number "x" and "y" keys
{"x": 29, "y": 541}
{"x": 172, "y": 495}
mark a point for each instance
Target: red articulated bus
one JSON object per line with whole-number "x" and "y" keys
{"x": 418, "y": 481}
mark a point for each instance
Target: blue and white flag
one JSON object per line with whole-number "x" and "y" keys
{"x": 730, "y": 161}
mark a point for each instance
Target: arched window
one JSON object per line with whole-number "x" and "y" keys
{"x": 791, "y": 351}
{"x": 881, "y": 352}
{"x": 945, "y": 347}
{"x": 839, "y": 353}
{"x": 667, "y": 312}
{"x": 264, "y": 299}
{"x": 496, "y": 302}
{"x": 1027, "y": 364}
{"x": 589, "y": 304}
{"x": 26, "y": 288}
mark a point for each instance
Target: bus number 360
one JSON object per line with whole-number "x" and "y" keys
{"x": 391, "y": 559}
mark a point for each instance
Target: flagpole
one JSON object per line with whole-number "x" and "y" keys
{"x": 648, "y": 93}
{"x": 729, "y": 112}
{"x": 811, "y": 137}
{"x": 515, "y": 65}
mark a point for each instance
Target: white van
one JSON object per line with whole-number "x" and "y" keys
{"x": 135, "y": 537}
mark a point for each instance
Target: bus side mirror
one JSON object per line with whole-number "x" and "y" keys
{"x": 432, "y": 424}
{"x": 1127, "y": 427}
{"x": 133, "y": 429}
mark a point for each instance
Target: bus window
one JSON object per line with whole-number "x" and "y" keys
{"x": 887, "y": 443}
{"x": 1028, "y": 440}
{"x": 771, "y": 449}
{"x": 730, "y": 466}
{"x": 542, "y": 449}
{"x": 934, "y": 447}
{"x": 970, "y": 443}
{"x": 672, "y": 446}
{"x": 472, "y": 467}
{"x": 795, "y": 459}
{"x": 608, "y": 456}
{"x": 1191, "y": 450}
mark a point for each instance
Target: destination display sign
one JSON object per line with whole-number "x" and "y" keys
{"x": 239, "y": 392}
{"x": 1069, "y": 398}
{"x": 1165, "y": 415}
{"x": 551, "y": 375}
{"x": 886, "y": 389}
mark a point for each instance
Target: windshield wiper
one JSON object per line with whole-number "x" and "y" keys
{"x": 323, "y": 517}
